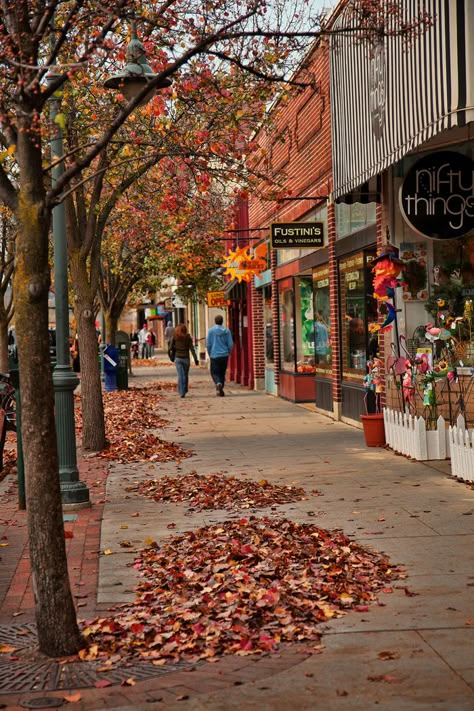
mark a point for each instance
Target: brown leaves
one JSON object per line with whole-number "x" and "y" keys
{"x": 218, "y": 491}
{"x": 240, "y": 587}
{"x": 129, "y": 417}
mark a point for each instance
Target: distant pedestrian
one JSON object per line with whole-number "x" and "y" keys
{"x": 169, "y": 333}
{"x": 142, "y": 341}
{"x": 219, "y": 344}
{"x": 182, "y": 344}
{"x": 149, "y": 342}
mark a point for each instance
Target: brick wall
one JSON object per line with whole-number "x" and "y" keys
{"x": 298, "y": 153}
{"x": 258, "y": 328}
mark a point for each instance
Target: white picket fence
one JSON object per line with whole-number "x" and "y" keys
{"x": 461, "y": 444}
{"x": 408, "y": 435}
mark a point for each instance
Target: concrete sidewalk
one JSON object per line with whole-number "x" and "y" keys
{"x": 419, "y": 517}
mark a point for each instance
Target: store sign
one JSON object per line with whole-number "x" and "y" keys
{"x": 437, "y": 195}
{"x": 297, "y": 235}
{"x": 377, "y": 90}
{"x": 246, "y": 262}
{"x": 216, "y": 299}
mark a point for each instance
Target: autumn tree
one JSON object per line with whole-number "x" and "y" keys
{"x": 64, "y": 39}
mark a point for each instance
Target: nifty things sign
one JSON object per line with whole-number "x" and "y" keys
{"x": 437, "y": 195}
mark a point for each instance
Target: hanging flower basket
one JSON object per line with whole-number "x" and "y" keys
{"x": 374, "y": 430}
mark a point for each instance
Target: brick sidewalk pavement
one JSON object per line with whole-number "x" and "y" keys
{"x": 16, "y": 596}
{"x": 418, "y": 516}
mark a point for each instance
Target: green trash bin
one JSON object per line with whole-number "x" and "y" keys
{"x": 122, "y": 369}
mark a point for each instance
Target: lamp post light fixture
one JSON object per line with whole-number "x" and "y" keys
{"x": 136, "y": 73}
{"x": 74, "y": 493}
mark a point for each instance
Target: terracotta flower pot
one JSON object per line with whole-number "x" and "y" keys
{"x": 374, "y": 430}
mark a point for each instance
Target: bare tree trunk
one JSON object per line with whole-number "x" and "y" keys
{"x": 93, "y": 427}
{"x": 111, "y": 325}
{"x": 58, "y": 632}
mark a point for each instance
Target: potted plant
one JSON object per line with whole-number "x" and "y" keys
{"x": 373, "y": 423}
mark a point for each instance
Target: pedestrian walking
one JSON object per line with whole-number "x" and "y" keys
{"x": 142, "y": 341}
{"x": 149, "y": 342}
{"x": 169, "y": 333}
{"x": 219, "y": 344}
{"x": 182, "y": 344}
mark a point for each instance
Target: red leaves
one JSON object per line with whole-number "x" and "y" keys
{"x": 218, "y": 491}
{"x": 240, "y": 587}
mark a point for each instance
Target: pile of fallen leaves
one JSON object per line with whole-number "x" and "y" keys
{"x": 150, "y": 363}
{"x": 9, "y": 462}
{"x": 240, "y": 587}
{"x": 136, "y": 407}
{"x": 130, "y": 415}
{"x": 218, "y": 491}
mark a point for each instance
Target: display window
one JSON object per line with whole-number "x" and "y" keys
{"x": 353, "y": 217}
{"x": 322, "y": 321}
{"x": 295, "y": 299}
{"x": 286, "y": 309}
{"x": 304, "y": 325}
{"x": 358, "y": 311}
{"x": 268, "y": 325}
{"x": 450, "y": 303}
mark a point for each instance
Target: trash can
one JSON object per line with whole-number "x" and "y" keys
{"x": 122, "y": 369}
{"x": 111, "y": 360}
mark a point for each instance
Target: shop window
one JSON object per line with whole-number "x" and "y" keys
{"x": 358, "y": 310}
{"x": 322, "y": 321}
{"x": 450, "y": 304}
{"x": 304, "y": 325}
{"x": 286, "y": 303}
{"x": 350, "y": 218}
{"x": 268, "y": 321}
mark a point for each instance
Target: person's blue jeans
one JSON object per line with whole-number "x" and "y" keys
{"x": 182, "y": 368}
{"x": 218, "y": 369}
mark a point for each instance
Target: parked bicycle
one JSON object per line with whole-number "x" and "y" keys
{"x": 8, "y": 401}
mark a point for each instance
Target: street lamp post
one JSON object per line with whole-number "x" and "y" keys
{"x": 74, "y": 493}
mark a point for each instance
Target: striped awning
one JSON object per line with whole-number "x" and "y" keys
{"x": 388, "y": 100}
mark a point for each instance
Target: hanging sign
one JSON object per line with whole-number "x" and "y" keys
{"x": 246, "y": 262}
{"x": 217, "y": 299}
{"x": 296, "y": 235}
{"x": 436, "y": 197}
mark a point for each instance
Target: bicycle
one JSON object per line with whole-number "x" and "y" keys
{"x": 8, "y": 401}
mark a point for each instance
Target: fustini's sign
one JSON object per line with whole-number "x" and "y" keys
{"x": 437, "y": 195}
{"x": 296, "y": 235}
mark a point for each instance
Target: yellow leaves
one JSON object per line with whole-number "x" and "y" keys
{"x": 89, "y": 654}
{"x": 8, "y": 153}
{"x": 60, "y": 120}
{"x": 6, "y": 649}
{"x": 108, "y": 551}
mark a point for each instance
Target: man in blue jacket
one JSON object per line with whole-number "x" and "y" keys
{"x": 219, "y": 344}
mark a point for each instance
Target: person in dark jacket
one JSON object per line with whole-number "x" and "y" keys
{"x": 182, "y": 344}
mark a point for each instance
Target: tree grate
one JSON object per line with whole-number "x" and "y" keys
{"x": 49, "y": 675}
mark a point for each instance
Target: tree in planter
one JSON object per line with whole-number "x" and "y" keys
{"x": 37, "y": 37}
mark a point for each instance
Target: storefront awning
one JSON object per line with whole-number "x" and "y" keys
{"x": 388, "y": 100}
{"x": 233, "y": 289}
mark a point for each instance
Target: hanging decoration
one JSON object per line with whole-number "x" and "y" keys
{"x": 246, "y": 262}
{"x": 386, "y": 268}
